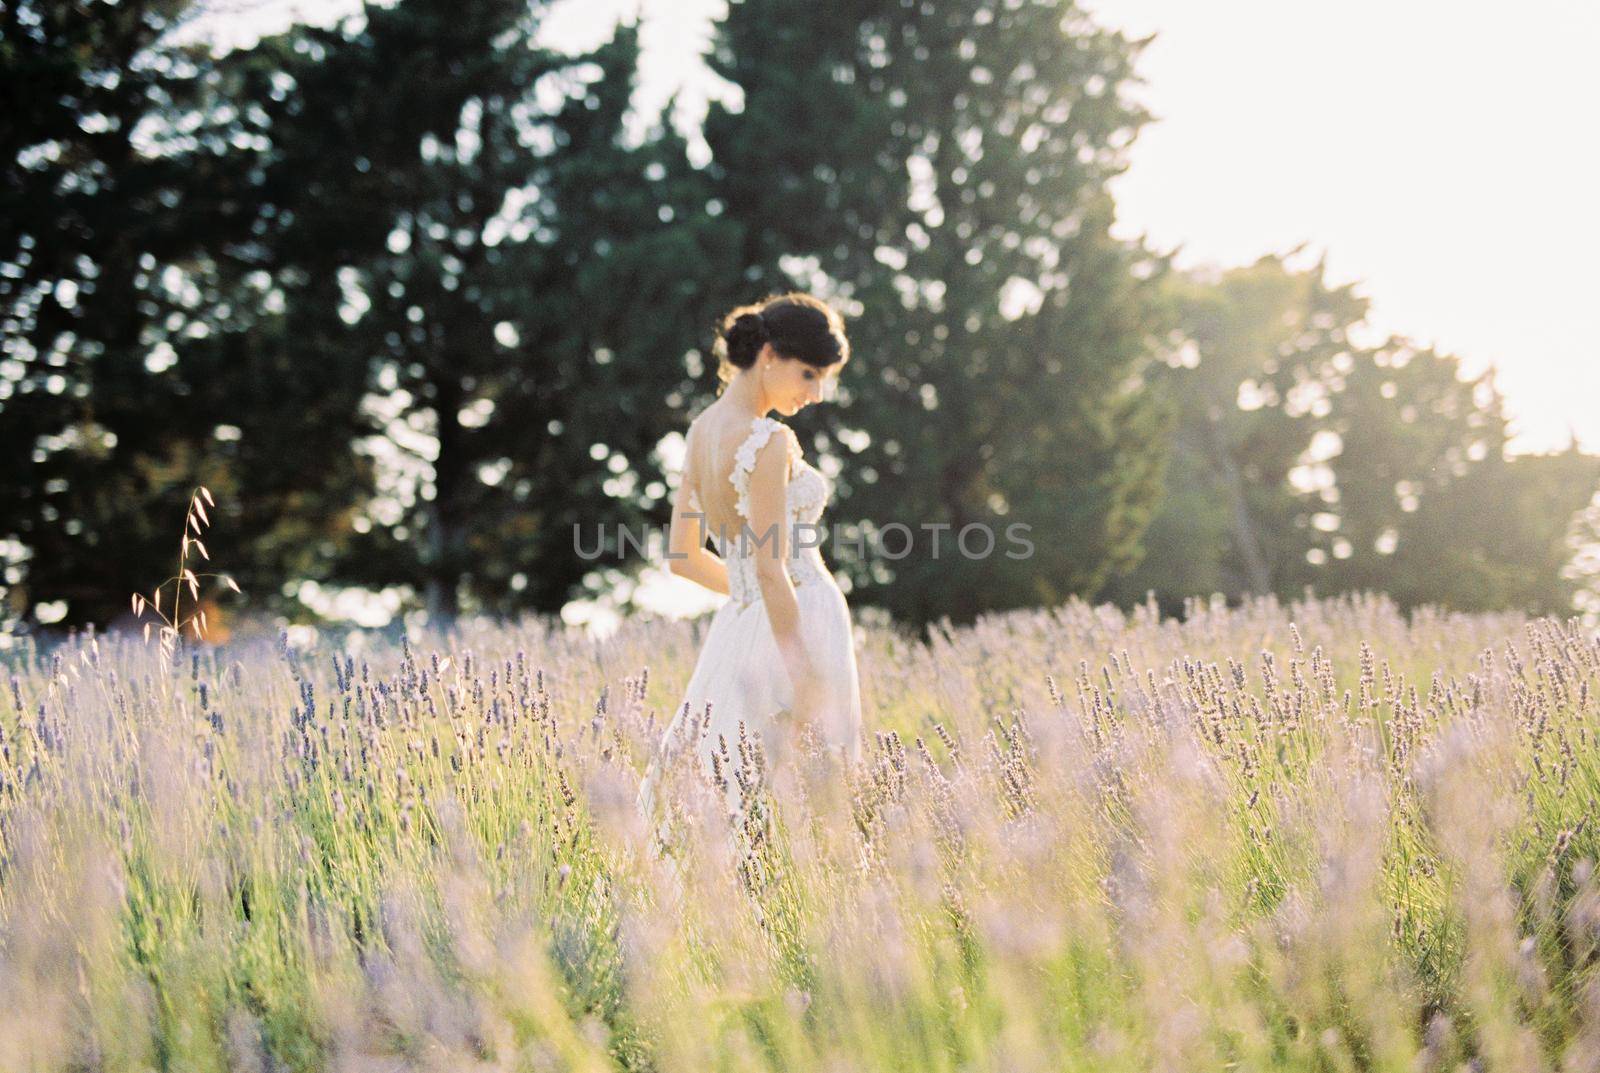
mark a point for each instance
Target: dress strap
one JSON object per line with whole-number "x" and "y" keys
{"x": 744, "y": 460}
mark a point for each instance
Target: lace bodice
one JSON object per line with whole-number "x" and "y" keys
{"x": 807, "y": 495}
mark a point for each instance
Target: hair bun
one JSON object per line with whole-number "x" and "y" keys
{"x": 745, "y": 337}
{"x": 797, "y": 326}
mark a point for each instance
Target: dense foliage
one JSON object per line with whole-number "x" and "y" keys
{"x": 416, "y": 295}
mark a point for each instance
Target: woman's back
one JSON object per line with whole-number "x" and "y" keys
{"x": 712, "y": 447}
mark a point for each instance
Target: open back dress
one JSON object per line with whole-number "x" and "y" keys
{"x": 740, "y": 676}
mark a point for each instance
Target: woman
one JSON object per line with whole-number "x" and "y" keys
{"x": 779, "y": 656}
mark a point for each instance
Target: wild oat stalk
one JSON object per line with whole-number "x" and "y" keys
{"x": 172, "y": 628}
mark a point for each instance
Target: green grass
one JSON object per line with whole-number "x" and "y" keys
{"x": 1321, "y": 837}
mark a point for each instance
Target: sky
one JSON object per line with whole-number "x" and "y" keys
{"x": 1433, "y": 153}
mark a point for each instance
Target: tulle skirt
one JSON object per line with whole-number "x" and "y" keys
{"x": 741, "y": 679}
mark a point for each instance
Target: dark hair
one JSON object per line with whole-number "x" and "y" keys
{"x": 797, "y": 325}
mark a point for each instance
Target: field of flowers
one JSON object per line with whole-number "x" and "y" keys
{"x": 1314, "y": 837}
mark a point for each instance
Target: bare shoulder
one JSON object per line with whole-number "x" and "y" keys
{"x": 704, "y": 428}
{"x": 786, "y": 436}
{"x": 701, "y": 430}
{"x": 782, "y": 447}
{"x": 710, "y": 423}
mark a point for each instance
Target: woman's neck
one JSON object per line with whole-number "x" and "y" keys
{"x": 744, "y": 394}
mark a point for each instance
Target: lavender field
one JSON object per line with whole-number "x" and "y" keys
{"x": 1315, "y": 837}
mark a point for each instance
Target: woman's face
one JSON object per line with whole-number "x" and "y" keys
{"x": 792, "y": 385}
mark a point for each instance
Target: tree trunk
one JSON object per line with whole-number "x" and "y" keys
{"x": 1244, "y": 531}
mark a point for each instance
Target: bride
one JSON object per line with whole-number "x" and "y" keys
{"x": 779, "y": 657}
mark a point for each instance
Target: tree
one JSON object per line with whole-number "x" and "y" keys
{"x": 1244, "y": 363}
{"x": 941, "y": 171}
{"x": 460, "y": 219}
{"x": 1343, "y": 467}
{"x": 127, "y": 167}
{"x": 1498, "y": 535}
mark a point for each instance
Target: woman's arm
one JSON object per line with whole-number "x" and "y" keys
{"x": 769, "y": 482}
{"x": 686, "y": 544}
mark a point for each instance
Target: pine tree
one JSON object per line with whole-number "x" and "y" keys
{"x": 463, "y": 220}
{"x": 941, "y": 170}
{"x": 128, "y": 164}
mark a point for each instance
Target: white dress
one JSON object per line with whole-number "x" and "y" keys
{"x": 740, "y": 675}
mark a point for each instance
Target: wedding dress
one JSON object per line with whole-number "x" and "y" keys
{"x": 740, "y": 676}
